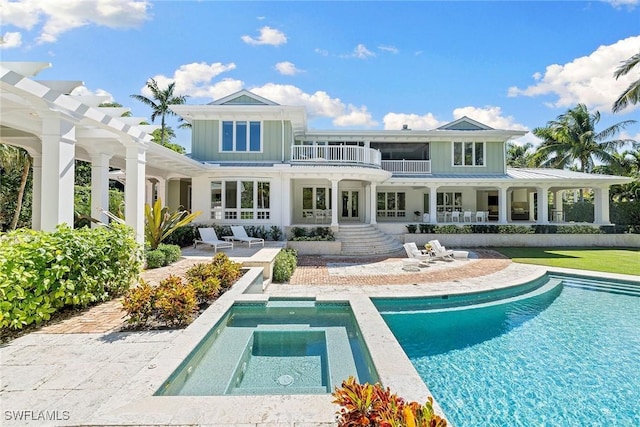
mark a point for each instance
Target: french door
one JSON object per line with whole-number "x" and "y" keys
{"x": 349, "y": 204}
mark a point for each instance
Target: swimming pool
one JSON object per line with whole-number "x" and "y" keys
{"x": 281, "y": 346}
{"x": 568, "y": 355}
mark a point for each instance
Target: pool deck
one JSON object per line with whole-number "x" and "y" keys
{"x": 83, "y": 371}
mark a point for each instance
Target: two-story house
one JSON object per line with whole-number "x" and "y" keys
{"x": 264, "y": 166}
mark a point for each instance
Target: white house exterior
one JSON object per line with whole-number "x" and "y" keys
{"x": 255, "y": 162}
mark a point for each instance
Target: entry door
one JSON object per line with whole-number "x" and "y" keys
{"x": 349, "y": 204}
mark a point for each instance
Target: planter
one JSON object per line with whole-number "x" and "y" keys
{"x": 315, "y": 247}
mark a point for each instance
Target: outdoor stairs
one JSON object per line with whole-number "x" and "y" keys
{"x": 367, "y": 240}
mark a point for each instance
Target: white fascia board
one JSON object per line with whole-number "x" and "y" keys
{"x": 410, "y": 135}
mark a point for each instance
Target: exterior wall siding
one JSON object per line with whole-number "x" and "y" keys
{"x": 205, "y": 144}
{"x": 442, "y": 159}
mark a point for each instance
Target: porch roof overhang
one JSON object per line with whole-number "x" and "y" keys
{"x": 411, "y": 135}
{"x": 553, "y": 178}
{"x": 26, "y": 103}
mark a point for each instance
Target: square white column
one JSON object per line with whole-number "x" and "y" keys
{"x": 100, "y": 187}
{"x": 334, "y": 202}
{"x": 36, "y": 194}
{"x": 543, "y": 205}
{"x": 373, "y": 207}
{"x": 134, "y": 189}
{"x": 433, "y": 205}
{"x": 601, "y": 206}
{"x": 58, "y": 168}
{"x": 502, "y": 206}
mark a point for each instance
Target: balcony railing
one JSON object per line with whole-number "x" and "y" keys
{"x": 334, "y": 154}
{"x": 407, "y": 166}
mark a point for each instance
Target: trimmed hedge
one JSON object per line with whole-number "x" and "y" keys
{"x": 42, "y": 272}
{"x": 284, "y": 265}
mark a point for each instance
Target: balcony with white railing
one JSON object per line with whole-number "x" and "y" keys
{"x": 399, "y": 167}
{"x": 334, "y": 155}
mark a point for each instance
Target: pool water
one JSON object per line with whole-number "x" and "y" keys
{"x": 276, "y": 347}
{"x": 566, "y": 357}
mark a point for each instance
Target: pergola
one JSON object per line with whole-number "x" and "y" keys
{"x": 56, "y": 128}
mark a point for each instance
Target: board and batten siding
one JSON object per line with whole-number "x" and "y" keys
{"x": 442, "y": 159}
{"x": 205, "y": 143}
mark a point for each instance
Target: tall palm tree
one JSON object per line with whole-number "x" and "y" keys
{"x": 572, "y": 137}
{"x": 518, "y": 156}
{"x": 16, "y": 158}
{"x": 162, "y": 99}
{"x": 631, "y": 95}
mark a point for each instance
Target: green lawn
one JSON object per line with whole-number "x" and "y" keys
{"x": 611, "y": 260}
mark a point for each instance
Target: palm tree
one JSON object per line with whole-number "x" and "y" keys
{"x": 16, "y": 158}
{"x": 162, "y": 99}
{"x": 518, "y": 156}
{"x": 572, "y": 137}
{"x": 631, "y": 95}
{"x": 626, "y": 163}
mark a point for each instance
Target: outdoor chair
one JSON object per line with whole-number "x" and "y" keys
{"x": 467, "y": 216}
{"x": 320, "y": 215}
{"x": 455, "y": 216}
{"x": 414, "y": 253}
{"x": 240, "y": 234}
{"x": 440, "y": 251}
{"x": 208, "y": 237}
{"x": 480, "y": 216}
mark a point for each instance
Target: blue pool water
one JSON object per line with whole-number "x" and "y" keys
{"x": 281, "y": 346}
{"x": 567, "y": 357}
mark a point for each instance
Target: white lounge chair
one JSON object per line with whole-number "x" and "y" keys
{"x": 415, "y": 253}
{"x": 208, "y": 237}
{"x": 240, "y": 234}
{"x": 440, "y": 251}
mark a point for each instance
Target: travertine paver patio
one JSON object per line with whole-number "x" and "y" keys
{"x": 108, "y": 378}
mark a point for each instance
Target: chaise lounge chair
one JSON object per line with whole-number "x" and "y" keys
{"x": 440, "y": 251}
{"x": 240, "y": 234}
{"x": 208, "y": 237}
{"x": 414, "y": 253}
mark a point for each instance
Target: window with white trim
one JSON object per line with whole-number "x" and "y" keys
{"x": 391, "y": 204}
{"x": 241, "y": 136}
{"x": 468, "y": 153}
{"x": 240, "y": 199}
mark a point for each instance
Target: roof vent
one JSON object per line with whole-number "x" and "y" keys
{"x": 405, "y": 127}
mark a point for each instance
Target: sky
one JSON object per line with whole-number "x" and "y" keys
{"x": 354, "y": 65}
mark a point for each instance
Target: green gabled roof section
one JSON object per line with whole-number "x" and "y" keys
{"x": 243, "y": 97}
{"x": 465, "y": 123}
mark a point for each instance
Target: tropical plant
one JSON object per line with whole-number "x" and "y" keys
{"x": 156, "y": 136}
{"x": 626, "y": 163}
{"x": 16, "y": 158}
{"x": 572, "y": 138}
{"x": 631, "y": 94}
{"x": 160, "y": 102}
{"x": 159, "y": 223}
{"x": 518, "y": 156}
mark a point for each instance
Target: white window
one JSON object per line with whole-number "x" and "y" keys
{"x": 391, "y": 204}
{"x": 468, "y": 153}
{"x": 241, "y": 199}
{"x": 241, "y": 136}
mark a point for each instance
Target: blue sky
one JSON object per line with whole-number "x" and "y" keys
{"x": 354, "y": 65}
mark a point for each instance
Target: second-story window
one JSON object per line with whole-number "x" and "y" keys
{"x": 241, "y": 136}
{"x": 468, "y": 153}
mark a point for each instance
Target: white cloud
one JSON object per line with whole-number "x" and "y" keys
{"x": 195, "y": 80}
{"x": 360, "y": 52}
{"x": 85, "y": 91}
{"x": 395, "y": 121}
{"x": 321, "y": 52}
{"x": 317, "y": 104}
{"x": 588, "y": 80}
{"x": 622, "y": 3}
{"x": 59, "y": 17}
{"x": 268, "y": 35}
{"x": 287, "y": 68}
{"x": 390, "y": 49}
{"x": 11, "y": 40}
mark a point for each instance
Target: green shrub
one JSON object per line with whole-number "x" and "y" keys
{"x": 182, "y": 236}
{"x": 284, "y": 265}
{"x": 155, "y": 258}
{"x": 316, "y": 234}
{"x": 175, "y": 302}
{"x": 42, "y": 272}
{"x": 427, "y": 228}
{"x": 412, "y": 228}
{"x": 227, "y": 271}
{"x": 139, "y": 303}
{"x": 172, "y": 253}
{"x": 297, "y": 232}
{"x": 577, "y": 229}
{"x": 206, "y": 289}
{"x": 275, "y": 233}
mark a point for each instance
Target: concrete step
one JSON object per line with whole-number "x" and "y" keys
{"x": 365, "y": 239}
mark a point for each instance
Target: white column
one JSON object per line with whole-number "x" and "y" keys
{"x": 509, "y": 199}
{"x": 532, "y": 203}
{"x": 36, "y": 194}
{"x": 148, "y": 192}
{"x": 161, "y": 191}
{"x": 543, "y": 205}
{"x": 58, "y": 168}
{"x": 502, "y": 205}
{"x": 334, "y": 202}
{"x": 134, "y": 189}
{"x": 433, "y": 205}
{"x": 373, "y": 206}
{"x": 601, "y": 206}
{"x": 201, "y": 198}
{"x": 99, "y": 187}
{"x": 558, "y": 204}
{"x": 285, "y": 200}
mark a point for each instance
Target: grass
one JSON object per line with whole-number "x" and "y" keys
{"x": 610, "y": 260}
